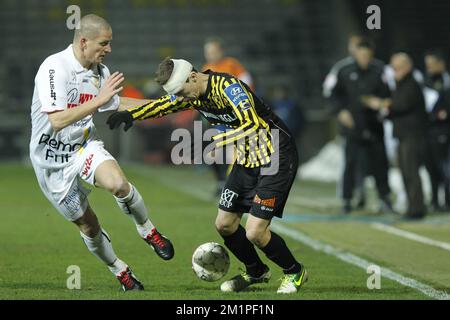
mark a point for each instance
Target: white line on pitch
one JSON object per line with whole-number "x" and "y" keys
{"x": 359, "y": 262}
{"x": 410, "y": 235}
{"x": 328, "y": 249}
{"x": 305, "y": 201}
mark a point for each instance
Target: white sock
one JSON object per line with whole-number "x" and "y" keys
{"x": 145, "y": 229}
{"x": 100, "y": 246}
{"x": 118, "y": 267}
{"x": 134, "y": 206}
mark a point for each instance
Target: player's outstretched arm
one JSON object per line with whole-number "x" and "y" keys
{"x": 127, "y": 103}
{"x": 154, "y": 109}
{"x": 61, "y": 119}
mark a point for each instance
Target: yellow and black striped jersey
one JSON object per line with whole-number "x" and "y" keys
{"x": 230, "y": 102}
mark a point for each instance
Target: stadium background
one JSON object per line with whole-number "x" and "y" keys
{"x": 290, "y": 43}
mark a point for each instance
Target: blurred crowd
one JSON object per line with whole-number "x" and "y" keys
{"x": 368, "y": 97}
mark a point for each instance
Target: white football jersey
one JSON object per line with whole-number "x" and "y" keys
{"x": 62, "y": 83}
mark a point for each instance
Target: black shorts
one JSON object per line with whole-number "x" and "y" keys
{"x": 247, "y": 190}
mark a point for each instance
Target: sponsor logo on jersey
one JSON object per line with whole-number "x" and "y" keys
{"x": 73, "y": 80}
{"x": 51, "y": 74}
{"x": 236, "y": 91}
{"x": 84, "y": 97}
{"x": 246, "y": 105}
{"x": 72, "y": 96}
{"x": 83, "y": 122}
{"x": 236, "y": 94}
{"x": 222, "y": 117}
{"x": 87, "y": 165}
{"x": 57, "y": 145}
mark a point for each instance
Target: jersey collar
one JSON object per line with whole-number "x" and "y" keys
{"x": 75, "y": 63}
{"x": 208, "y": 87}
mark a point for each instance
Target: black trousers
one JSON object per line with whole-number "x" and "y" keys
{"x": 362, "y": 158}
{"x": 410, "y": 156}
{"x": 436, "y": 162}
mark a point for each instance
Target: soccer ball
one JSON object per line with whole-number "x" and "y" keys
{"x": 210, "y": 261}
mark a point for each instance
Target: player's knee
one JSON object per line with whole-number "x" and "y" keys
{"x": 89, "y": 225}
{"x": 120, "y": 187}
{"x": 255, "y": 236}
{"x": 90, "y": 230}
{"x": 224, "y": 227}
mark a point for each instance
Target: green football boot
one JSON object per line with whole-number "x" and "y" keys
{"x": 291, "y": 283}
{"x": 243, "y": 280}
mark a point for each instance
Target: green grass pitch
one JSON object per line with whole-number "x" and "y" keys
{"x": 37, "y": 245}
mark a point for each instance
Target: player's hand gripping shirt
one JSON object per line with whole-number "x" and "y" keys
{"x": 62, "y": 83}
{"x": 229, "y": 102}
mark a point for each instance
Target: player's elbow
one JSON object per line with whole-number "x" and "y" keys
{"x": 56, "y": 121}
{"x": 56, "y": 125}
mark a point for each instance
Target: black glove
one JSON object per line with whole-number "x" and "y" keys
{"x": 117, "y": 118}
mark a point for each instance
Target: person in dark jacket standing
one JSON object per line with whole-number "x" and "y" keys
{"x": 407, "y": 111}
{"x": 329, "y": 83}
{"x": 361, "y": 127}
{"x": 437, "y": 139}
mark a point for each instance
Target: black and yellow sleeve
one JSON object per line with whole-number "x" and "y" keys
{"x": 158, "y": 108}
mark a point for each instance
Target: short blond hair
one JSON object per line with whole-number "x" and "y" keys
{"x": 90, "y": 27}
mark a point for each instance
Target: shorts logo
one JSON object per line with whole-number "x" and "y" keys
{"x": 266, "y": 204}
{"x": 72, "y": 202}
{"x": 87, "y": 165}
{"x": 226, "y": 198}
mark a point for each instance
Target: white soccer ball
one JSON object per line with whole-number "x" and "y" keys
{"x": 210, "y": 261}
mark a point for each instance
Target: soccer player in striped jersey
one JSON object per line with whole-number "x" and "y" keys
{"x": 261, "y": 178}
{"x": 218, "y": 61}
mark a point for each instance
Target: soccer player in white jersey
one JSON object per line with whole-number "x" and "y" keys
{"x": 70, "y": 87}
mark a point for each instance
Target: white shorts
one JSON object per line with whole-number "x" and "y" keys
{"x": 64, "y": 188}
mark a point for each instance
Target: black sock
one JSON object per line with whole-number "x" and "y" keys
{"x": 277, "y": 251}
{"x": 245, "y": 251}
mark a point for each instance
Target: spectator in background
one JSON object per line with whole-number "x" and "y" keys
{"x": 218, "y": 62}
{"x": 354, "y": 40}
{"x": 288, "y": 110}
{"x": 362, "y": 128}
{"x": 437, "y": 139}
{"x": 407, "y": 110}
{"x": 130, "y": 91}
